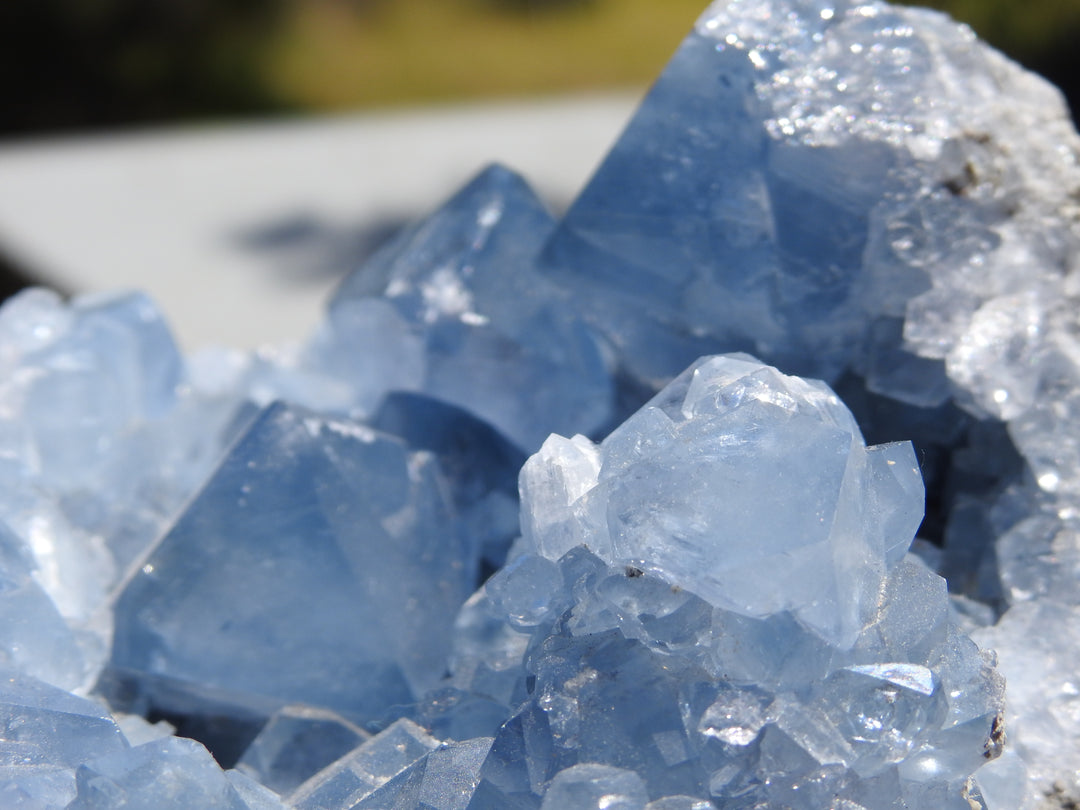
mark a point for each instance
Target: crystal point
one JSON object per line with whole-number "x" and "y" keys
{"x": 302, "y": 505}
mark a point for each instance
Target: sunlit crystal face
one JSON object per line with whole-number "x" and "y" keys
{"x": 882, "y": 710}
{"x": 735, "y": 718}
{"x": 750, "y": 488}
{"x": 715, "y": 601}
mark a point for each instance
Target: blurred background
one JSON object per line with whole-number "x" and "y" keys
{"x": 74, "y": 73}
{"x": 86, "y": 64}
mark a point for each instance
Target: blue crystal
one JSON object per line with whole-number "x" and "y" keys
{"x": 595, "y": 787}
{"x": 295, "y": 744}
{"x": 83, "y": 379}
{"x": 34, "y": 638}
{"x": 712, "y": 601}
{"x": 118, "y": 360}
{"x": 367, "y": 768}
{"x": 47, "y": 734}
{"x": 254, "y": 795}
{"x": 453, "y": 713}
{"x": 657, "y": 245}
{"x": 492, "y": 335}
{"x": 47, "y": 726}
{"x": 717, "y": 448}
{"x": 443, "y": 779}
{"x": 752, "y": 691}
{"x": 171, "y": 773}
{"x": 302, "y": 506}
{"x": 679, "y": 803}
{"x": 481, "y": 467}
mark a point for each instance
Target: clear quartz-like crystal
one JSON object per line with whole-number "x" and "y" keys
{"x": 749, "y": 488}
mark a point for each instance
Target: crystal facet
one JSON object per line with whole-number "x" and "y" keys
{"x": 318, "y": 546}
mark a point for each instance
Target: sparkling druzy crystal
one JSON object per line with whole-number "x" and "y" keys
{"x": 870, "y": 195}
{"x": 806, "y": 174}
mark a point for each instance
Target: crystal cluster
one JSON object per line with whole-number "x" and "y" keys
{"x": 611, "y": 511}
{"x": 696, "y": 624}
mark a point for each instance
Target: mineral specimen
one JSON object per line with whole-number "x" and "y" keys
{"x": 668, "y": 561}
{"x": 711, "y": 603}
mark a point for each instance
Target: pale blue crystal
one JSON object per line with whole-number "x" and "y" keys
{"x": 1002, "y": 783}
{"x": 595, "y": 787}
{"x": 47, "y": 726}
{"x": 45, "y": 734}
{"x": 37, "y": 789}
{"x": 118, "y": 360}
{"x": 82, "y": 383}
{"x": 170, "y": 774}
{"x": 444, "y": 779}
{"x": 255, "y": 795}
{"x": 721, "y": 513}
{"x": 524, "y": 589}
{"x": 453, "y": 713}
{"x": 803, "y": 172}
{"x": 370, "y": 766}
{"x": 713, "y": 607}
{"x": 493, "y": 336}
{"x": 679, "y": 803}
{"x": 304, "y": 511}
{"x": 882, "y": 710}
{"x": 296, "y": 743}
{"x": 138, "y": 730}
{"x": 481, "y": 467}
{"x": 867, "y": 194}
{"x": 34, "y": 638}
{"x": 767, "y": 703}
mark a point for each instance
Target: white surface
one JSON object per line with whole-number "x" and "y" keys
{"x": 169, "y": 211}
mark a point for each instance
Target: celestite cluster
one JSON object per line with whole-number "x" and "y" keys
{"x": 624, "y": 510}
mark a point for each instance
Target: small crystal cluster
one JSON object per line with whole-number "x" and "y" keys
{"x": 521, "y": 526}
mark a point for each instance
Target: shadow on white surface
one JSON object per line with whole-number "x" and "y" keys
{"x": 241, "y": 232}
